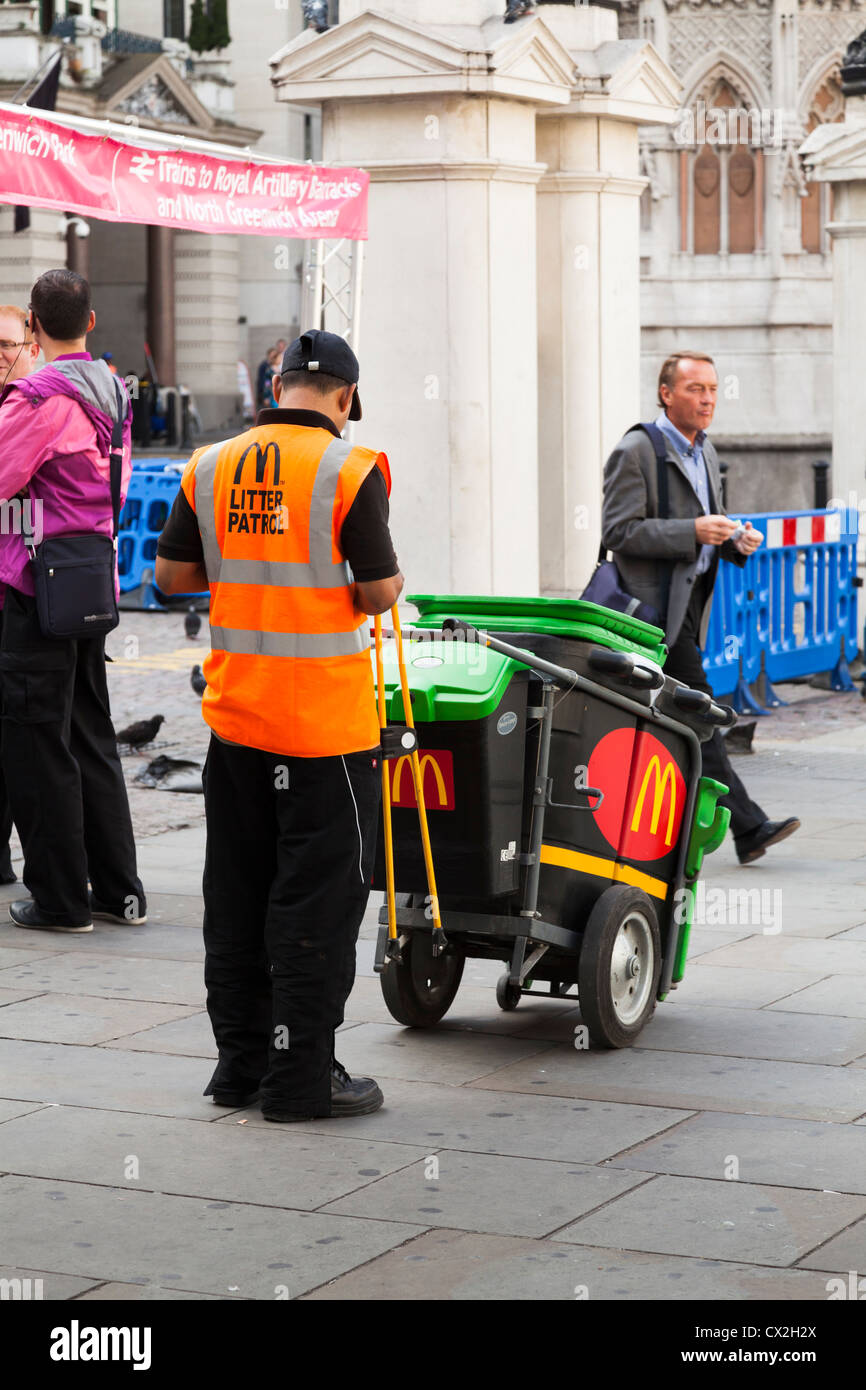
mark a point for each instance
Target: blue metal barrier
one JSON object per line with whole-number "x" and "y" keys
{"x": 790, "y": 611}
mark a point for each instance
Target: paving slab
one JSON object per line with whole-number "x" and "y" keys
{"x": 842, "y": 995}
{"x": 719, "y": 1220}
{"x": 738, "y": 987}
{"x": 108, "y": 939}
{"x": 707, "y": 939}
{"x": 46, "y": 1285}
{"x": 11, "y": 1109}
{"x": 177, "y": 909}
{"x": 231, "y": 1163}
{"x": 457, "y": 1266}
{"x": 416, "y": 1112}
{"x": 146, "y": 1293}
{"x": 782, "y": 952}
{"x": 428, "y": 1054}
{"x": 481, "y": 1192}
{"x": 17, "y": 955}
{"x": 112, "y": 977}
{"x": 474, "y": 1010}
{"x": 14, "y": 996}
{"x": 81, "y": 1018}
{"x": 190, "y": 1036}
{"x": 701, "y": 1028}
{"x": 784, "y": 1153}
{"x": 192, "y": 1244}
{"x": 844, "y": 1253}
{"x": 61, "y": 1073}
{"x": 644, "y": 1076}
{"x": 173, "y": 862}
{"x": 853, "y": 933}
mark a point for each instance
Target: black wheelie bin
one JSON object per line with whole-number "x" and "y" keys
{"x": 567, "y": 812}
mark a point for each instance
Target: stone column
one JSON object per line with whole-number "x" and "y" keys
{"x": 161, "y": 329}
{"x": 836, "y": 153}
{"x": 206, "y": 320}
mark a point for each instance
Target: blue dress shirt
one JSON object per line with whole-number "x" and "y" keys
{"x": 692, "y": 456}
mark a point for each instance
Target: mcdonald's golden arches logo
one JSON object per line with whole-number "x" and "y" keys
{"x": 437, "y": 780}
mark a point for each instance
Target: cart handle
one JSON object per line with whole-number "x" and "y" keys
{"x": 700, "y": 703}
{"x": 623, "y": 667}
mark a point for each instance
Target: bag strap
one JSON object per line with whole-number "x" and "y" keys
{"x": 660, "y": 450}
{"x": 115, "y": 458}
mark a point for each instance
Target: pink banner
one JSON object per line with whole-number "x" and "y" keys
{"x": 47, "y": 165}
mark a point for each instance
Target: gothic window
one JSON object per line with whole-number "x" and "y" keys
{"x": 721, "y": 175}
{"x": 816, "y": 209}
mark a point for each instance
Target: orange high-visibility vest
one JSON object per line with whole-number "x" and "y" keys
{"x": 289, "y": 669}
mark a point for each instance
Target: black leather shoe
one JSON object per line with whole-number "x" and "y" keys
{"x": 349, "y": 1097}
{"x": 102, "y": 913}
{"x": 26, "y": 913}
{"x": 750, "y": 847}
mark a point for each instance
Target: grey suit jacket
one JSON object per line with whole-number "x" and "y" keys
{"x": 657, "y": 558}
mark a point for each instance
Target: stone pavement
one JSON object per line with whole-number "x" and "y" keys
{"x": 722, "y": 1158}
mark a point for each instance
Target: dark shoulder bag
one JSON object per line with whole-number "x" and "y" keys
{"x": 73, "y": 576}
{"x": 605, "y": 586}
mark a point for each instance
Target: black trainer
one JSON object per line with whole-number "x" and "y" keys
{"x": 349, "y": 1097}
{"x": 27, "y": 913}
{"x": 750, "y": 847}
{"x": 103, "y": 913}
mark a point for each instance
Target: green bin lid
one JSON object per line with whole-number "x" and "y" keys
{"x": 554, "y": 617}
{"x": 449, "y": 681}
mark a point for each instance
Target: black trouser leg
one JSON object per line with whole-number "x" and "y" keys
{"x": 298, "y": 875}
{"x": 108, "y": 836}
{"x": 240, "y": 862}
{"x": 684, "y": 664}
{"x": 42, "y": 777}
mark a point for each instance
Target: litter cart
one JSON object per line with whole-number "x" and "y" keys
{"x": 562, "y": 805}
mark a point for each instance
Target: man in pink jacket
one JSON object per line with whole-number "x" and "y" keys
{"x": 63, "y": 774}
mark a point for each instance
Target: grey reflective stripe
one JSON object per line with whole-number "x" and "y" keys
{"x": 632, "y": 606}
{"x": 320, "y": 573}
{"x": 205, "y": 473}
{"x": 322, "y": 509}
{"x": 285, "y": 574}
{"x": 249, "y": 642}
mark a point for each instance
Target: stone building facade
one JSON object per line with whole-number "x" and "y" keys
{"x": 735, "y": 256}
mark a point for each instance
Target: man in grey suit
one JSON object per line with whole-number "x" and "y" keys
{"x": 671, "y": 562}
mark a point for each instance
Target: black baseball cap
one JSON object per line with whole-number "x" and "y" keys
{"x": 318, "y": 351}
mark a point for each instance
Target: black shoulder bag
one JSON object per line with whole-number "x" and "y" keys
{"x": 605, "y": 586}
{"x": 73, "y": 576}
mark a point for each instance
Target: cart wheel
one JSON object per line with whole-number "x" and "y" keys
{"x": 420, "y": 989}
{"x": 507, "y": 995}
{"x": 619, "y": 967}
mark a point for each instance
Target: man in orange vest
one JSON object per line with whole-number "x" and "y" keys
{"x": 270, "y": 522}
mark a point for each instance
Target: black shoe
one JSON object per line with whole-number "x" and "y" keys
{"x": 103, "y": 913}
{"x": 349, "y": 1097}
{"x": 26, "y": 913}
{"x": 752, "y": 846}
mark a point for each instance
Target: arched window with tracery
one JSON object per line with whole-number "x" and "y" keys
{"x": 721, "y": 175}
{"x": 816, "y": 209}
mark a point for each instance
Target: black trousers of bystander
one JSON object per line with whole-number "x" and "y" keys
{"x": 63, "y": 774}
{"x": 684, "y": 664}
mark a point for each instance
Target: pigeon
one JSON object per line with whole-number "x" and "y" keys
{"x": 197, "y": 681}
{"x": 144, "y": 731}
{"x": 516, "y": 9}
{"x": 192, "y": 624}
{"x": 315, "y": 14}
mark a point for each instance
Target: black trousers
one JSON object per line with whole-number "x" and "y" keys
{"x": 684, "y": 664}
{"x": 63, "y": 774}
{"x": 289, "y": 860}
